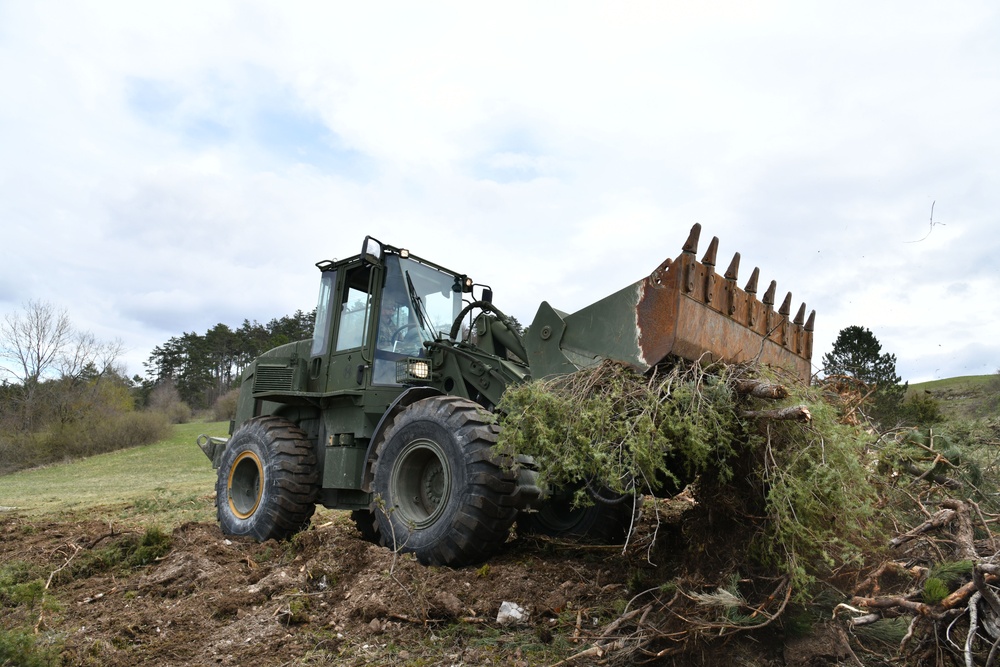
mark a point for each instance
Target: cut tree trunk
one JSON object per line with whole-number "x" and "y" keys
{"x": 761, "y": 389}
{"x": 792, "y": 413}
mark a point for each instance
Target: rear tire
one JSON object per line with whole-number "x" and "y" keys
{"x": 366, "y": 524}
{"x": 439, "y": 490}
{"x": 267, "y": 480}
{"x": 600, "y": 523}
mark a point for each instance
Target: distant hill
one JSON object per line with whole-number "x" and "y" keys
{"x": 967, "y": 397}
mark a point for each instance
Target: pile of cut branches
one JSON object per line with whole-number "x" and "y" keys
{"x": 806, "y": 516}
{"x": 939, "y": 591}
{"x": 783, "y": 487}
{"x": 934, "y": 598}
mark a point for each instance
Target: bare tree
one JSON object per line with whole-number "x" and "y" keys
{"x": 84, "y": 354}
{"x": 37, "y": 344}
{"x": 33, "y": 340}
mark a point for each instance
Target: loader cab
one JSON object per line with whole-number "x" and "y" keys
{"x": 376, "y": 309}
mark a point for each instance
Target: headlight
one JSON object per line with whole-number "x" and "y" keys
{"x": 419, "y": 368}
{"x": 408, "y": 370}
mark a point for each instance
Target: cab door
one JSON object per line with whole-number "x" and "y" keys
{"x": 350, "y": 362}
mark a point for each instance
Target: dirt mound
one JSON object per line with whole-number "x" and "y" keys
{"x": 325, "y": 597}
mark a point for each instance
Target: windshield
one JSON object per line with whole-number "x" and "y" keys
{"x": 434, "y": 297}
{"x": 419, "y": 303}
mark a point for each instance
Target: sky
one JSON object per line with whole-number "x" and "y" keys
{"x": 168, "y": 166}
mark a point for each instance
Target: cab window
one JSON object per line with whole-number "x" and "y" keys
{"x": 354, "y": 309}
{"x": 324, "y": 312}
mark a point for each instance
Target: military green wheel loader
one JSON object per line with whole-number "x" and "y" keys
{"x": 386, "y": 409}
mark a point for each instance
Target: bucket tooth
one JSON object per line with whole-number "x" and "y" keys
{"x": 709, "y": 263}
{"x": 786, "y": 306}
{"x": 751, "y": 287}
{"x": 782, "y": 322}
{"x": 691, "y": 245}
{"x": 732, "y": 273}
{"x": 811, "y": 322}
{"x": 769, "y": 294}
{"x": 800, "y": 316}
{"x": 713, "y": 249}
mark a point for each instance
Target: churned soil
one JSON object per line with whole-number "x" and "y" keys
{"x": 328, "y": 597}
{"x": 325, "y": 597}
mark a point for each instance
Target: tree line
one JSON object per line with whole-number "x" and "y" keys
{"x": 204, "y": 367}
{"x": 54, "y": 367}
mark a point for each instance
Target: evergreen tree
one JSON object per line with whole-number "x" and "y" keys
{"x": 858, "y": 354}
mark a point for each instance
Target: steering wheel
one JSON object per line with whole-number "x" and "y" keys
{"x": 396, "y": 337}
{"x": 401, "y": 341}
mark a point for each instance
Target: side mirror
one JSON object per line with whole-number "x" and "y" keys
{"x": 372, "y": 251}
{"x": 487, "y": 295}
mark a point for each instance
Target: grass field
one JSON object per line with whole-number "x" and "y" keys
{"x": 169, "y": 482}
{"x": 967, "y": 397}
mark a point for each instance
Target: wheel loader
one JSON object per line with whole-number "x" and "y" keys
{"x": 386, "y": 410}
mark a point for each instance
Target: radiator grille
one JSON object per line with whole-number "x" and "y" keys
{"x": 273, "y": 378}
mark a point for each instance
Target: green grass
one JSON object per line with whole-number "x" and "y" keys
{"x": 975, "y": 383}
{"x": 168, "y": 482}
{"x": 967, "y": 397}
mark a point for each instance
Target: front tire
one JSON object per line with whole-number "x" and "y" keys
{"x": 439, "y": 490}
{"x": 267, "y": 480}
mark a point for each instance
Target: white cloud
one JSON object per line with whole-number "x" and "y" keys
{"x": 169, "y": 166}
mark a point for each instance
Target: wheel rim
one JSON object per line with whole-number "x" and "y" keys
{"x": 244, "y": 485}
{"x": 421, "y": 483}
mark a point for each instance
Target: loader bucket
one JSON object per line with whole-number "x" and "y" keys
{"x": 684, "y": 308}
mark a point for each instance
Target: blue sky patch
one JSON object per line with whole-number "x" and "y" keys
{"x": 303, "y": 138}
{"x": 270, "y": 121}
{"x": 161, "y": 105}
{"x": 514, "y": 157}
{"x": 152, "y": 100}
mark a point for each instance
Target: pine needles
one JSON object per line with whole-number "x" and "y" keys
{"x": 610, "y": 428}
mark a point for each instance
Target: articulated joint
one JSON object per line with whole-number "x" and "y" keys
{"x": 527, "y": 495}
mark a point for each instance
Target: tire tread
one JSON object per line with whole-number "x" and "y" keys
{"x": 482, "y": 522}
{"x": 291, "y": 463}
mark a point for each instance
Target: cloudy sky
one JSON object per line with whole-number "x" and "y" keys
{"x": 167, "y": 166}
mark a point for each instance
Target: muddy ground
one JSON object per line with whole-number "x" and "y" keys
{"x": 329, "y": 597}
